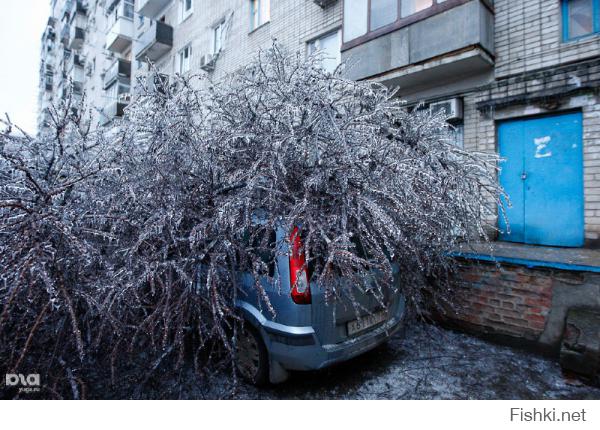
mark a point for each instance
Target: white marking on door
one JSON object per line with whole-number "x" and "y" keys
{"x": 540, "y": 147}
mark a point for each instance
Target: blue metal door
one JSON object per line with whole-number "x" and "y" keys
{"x": 543, "y": 176}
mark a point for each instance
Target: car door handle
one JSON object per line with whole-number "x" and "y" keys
{"x": 523, "y": 176}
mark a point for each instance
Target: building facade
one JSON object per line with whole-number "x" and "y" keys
{"x": 517, "y": 77}
{"x": 112, "y": 43}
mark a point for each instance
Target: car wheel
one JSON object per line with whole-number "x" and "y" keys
{"x": 252, "y": 357}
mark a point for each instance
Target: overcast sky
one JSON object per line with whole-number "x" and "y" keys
{"x": 21, "y": 25}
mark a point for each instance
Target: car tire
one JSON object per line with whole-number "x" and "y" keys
{"x": 252, "y": 356}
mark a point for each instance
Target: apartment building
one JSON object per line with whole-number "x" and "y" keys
{"x": 104, "y": 46}
{"x": 72, "y": 57}
{"x": 516, "y": 77}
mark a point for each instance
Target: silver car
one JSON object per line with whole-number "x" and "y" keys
{"x": 307, "y": 333}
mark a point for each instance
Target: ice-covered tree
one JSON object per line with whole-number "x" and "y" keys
{"x": 48, "y": 252}
{"x": 145, "y": 225}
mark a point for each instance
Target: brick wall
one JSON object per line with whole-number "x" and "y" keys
{"x": 507, "y": 300}
{"x": 519, "y": 302}
{"x": 293, "y": 23}
{"x": 529, "y": 36}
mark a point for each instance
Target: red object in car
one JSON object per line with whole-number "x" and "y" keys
{"x": 298, "y": 274}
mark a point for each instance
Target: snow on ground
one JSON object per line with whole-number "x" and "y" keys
{"x": 428, "y": 363}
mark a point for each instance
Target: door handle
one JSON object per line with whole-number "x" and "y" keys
{"x": 523, "y": 176}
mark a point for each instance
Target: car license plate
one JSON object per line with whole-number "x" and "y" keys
{"x": 366, "y": 322}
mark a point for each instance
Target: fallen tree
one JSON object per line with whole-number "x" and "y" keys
{"x": 103, "y": 232}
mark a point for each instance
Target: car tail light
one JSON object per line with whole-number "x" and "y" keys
{"x": 298, "y": 275}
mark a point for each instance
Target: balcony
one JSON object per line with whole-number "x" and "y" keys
{"x": 77, "y": 24}
{"x": 77, "y": 37}
{"x": 48, "y": 48}
{"x": 77, "y": 75}
{"x": 111, "y": 111}
{"x": 450, "y": 40}
{"x": 67, "y": 8}
{"x": 151, "y": 8}
{"x": 120, "y": 35}
{"x": 49, "y": 64}
{"x": 49, "y": 34}
{"x": 120, "y": 70}
{"x": 48, "y": 85}
{"x": 65, "y": 35}
{"x": 78, "y": 7}
{"x": 153, "y": 43}
{"x": 78, "y": 60}
{"x": 77, "y": 90}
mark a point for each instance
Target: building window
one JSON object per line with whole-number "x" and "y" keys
{"x": 329, "y": 49}
{"x": 580, "y": 18}
{"x": 123, "y": 9}
{"x": 364, "y": 16}
{"x": 185, "y": 57}
{"x": 383, "y": 12}
{"x": 118, "y": 92}
{"x": 260, "y": 13}
{"x": 355, "y": 22}
{"x": 128, "y": 9}
{"x": 410, "y": 7}
{"x": 218, "y": 35}
{"x": 186, "y": 8}
{"x": 458, "y": 133}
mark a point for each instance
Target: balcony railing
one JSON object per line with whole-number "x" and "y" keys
{"x": 155, "y": 42}
{"x": 150, "y": 8}
{"x": 119, "y": 70}
{"x": 120, "y": 35}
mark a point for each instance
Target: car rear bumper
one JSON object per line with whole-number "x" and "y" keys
{"x": 302, "y": 351}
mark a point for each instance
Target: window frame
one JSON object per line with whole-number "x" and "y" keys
{"x": 120, "y": 11}
{"x": 185, "y": 14}
{"x": 180, "y": 59}
{"x": 437, "y": 7}
{"x": 221, "y": 25}
{"x": 565, "y": 21}
{"x": 257, "y": 11}
{"x": 314, "y": 40}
